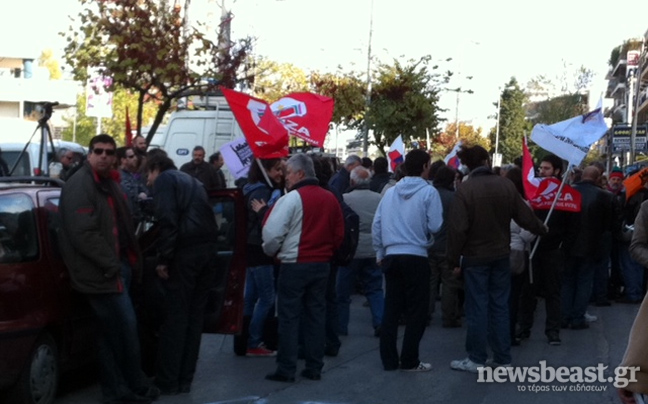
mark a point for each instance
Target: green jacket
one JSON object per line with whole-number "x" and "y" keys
{"x": 88, "y": 233}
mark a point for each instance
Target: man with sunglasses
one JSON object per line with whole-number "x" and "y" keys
{"x": 100, "y": 250}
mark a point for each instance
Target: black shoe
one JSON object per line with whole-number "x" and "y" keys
{"x": 152, "y": 392}
{"x": 579, "y": 326}
{"x": 523, "y": 334}
{"x": 331, "y": 350}
{"x": 451, "y": 324}
{"x": 311, "y": 374}
{"x": 515, "y": 341}
{"x": 185, "y": 388}
{"x": 603, "y": 303}
{"x": 553, "y": 339}
{"x": 377, "y": 331}
{"x": 166, "y": 391}
{"x": 276, "y": 377}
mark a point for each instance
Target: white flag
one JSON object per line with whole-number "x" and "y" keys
{"x": 237, "y": 156}
{"x": 571, "y": 139}
{"x": 396, "y": 154}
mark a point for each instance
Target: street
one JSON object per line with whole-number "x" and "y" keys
{"x": 356, "y": 376}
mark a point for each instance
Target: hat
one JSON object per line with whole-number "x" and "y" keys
{"x": 616, "y": 173}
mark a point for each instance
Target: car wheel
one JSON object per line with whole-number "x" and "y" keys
{"x": 39, "y": 380}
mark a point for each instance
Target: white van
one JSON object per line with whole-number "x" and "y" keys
{"x": 210, "y": 128}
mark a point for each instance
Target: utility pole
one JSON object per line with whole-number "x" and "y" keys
{"x": 365, "y": 134}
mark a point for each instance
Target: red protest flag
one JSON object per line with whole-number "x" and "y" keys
{"x": 265, "y": 134}
{"x": 569, "y": 201}
{"x": 635, "y": 182}
{"x": 529, "y": 179}
{"x": 128, "y": 138}
{"x": 305, "y": 115}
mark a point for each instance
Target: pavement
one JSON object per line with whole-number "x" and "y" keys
{"x": 356, "y": 375}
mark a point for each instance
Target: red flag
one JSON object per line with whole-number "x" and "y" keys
{"x": 265, "y": 134}
{"x": 305, "y": 115}
{"x": 569, "y": 201}
{"x": 128, "y": 140}
{"x": 529, "y": 179}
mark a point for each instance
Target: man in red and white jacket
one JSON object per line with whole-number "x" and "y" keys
{"x": 302, "y": 229}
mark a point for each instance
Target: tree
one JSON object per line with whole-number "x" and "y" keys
{"x": 145, "y": 47}
{"x": 512, "y": 122}
{"x": 47, "y": 60}
{"x": 468, "y": 135}
{"x": 404, "y": 102}
{"x": 273, "y": 80}
{"x": 115, "y": 126}
{"x": 348, "y": 92}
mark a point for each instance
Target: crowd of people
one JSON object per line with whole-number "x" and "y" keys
{"x": 427, "y": 232}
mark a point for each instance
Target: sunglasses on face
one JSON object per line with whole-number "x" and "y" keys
{"x": 99, "y": 151}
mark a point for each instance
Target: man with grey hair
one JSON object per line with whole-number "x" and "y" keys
{"x": 302, "y": 229}
{"x": 341, "y": 180}
{"x": 364, "y": 202}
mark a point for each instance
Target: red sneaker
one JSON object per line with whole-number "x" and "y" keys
{"x": 261, "y": 350}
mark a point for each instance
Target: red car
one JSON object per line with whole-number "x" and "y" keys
{"x": 46, "y": 328}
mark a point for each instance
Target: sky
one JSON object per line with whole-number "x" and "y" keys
{"x": 490, "y": 41}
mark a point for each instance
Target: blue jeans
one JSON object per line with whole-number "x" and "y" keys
{"x": 119, "y": 350}
{"x": 372, "y": 279}
{"x": 632, "y": 272}
{"x": 301, "y": 296}
{"x": 487, "y": 288}
{"x": 259, "y": 299}
{"x": 578, "y": 281}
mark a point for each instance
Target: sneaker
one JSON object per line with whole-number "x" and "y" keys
{"x": 261, "y": 350}
{"x": 421, "y": 367}
{"x": 466, "y": 365}
{"x": 590, "y": 318}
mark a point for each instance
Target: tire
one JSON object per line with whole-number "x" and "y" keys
{"x": 39, "y": 379}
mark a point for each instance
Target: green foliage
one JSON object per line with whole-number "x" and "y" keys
{"x": 348, "y": 92}
{"x": 559, "y": 108}
{"x": 468, "y": 134}
{"x": 142, "y": 45}
{"x": 273, "y": 80}
{"x": 512, "y": 122}
{"x": 47, "y": 60}
{"x": 404, "y": 102}
{"x": 86, "y": 127}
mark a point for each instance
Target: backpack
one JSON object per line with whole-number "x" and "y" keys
{"x": 343, "y": 255}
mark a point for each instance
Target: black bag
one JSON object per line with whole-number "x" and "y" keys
{"x": 346, "y": 252}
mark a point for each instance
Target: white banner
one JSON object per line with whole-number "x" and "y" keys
{"x": 238, "y": 157}
{"x": 571, "y": 139}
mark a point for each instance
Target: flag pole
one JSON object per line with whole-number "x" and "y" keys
{"x": 263, "y": 171}
{"x": 553, "y": 205}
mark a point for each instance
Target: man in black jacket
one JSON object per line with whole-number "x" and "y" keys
{"x": 186, "y": 256}
{"x": 100, "y": 251}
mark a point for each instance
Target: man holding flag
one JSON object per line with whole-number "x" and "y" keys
{"x": 548, "y": 260}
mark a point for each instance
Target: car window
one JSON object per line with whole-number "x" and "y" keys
{"x": 18, "y": 237}
{"x": 23, "y": 168}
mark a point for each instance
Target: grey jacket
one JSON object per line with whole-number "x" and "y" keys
{"x": 364, "y": 202}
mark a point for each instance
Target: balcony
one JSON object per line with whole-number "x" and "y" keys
{"x": 619, "y": 90}
{"x": 620, "y": 69}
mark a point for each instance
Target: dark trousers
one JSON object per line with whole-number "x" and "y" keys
{"x": 191, "y": 275}
{"x": 547, "y": 269}
{"x": 119, "y": 350}
{"x": 407, "y": 290}
{"x": 301, "y": 298}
